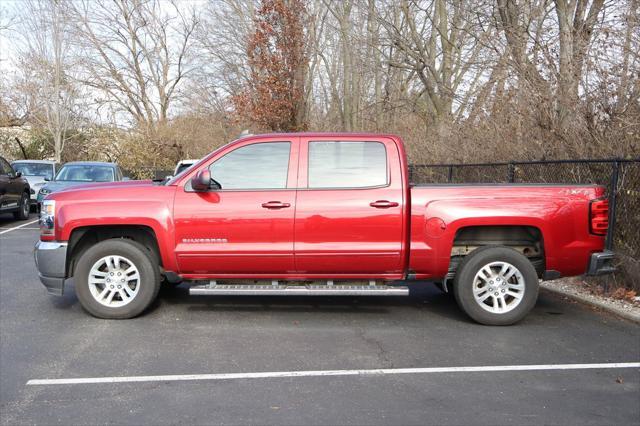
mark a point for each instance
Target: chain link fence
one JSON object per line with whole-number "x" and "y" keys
{"x": 621, "y": 177}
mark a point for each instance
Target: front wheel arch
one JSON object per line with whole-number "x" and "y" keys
{"x": 82, "y": 238}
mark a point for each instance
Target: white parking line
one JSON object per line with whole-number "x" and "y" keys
{"x": 319, "y": 373}
{"x": 22, "y": 229}
{"x": 18, "y": 227}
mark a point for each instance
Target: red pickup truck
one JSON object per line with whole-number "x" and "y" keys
{"x": 318, "y": 214}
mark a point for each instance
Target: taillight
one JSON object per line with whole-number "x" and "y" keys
{"x": 599, "y": 217}
{"x": 47, "y": 218}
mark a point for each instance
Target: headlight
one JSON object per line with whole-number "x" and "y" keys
{"x": 47, "y": 217}
{"x": 44, "y": 191}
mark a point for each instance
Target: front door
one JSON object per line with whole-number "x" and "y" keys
{"x": 349, "y": 210}
{"x": 245, "y": 228}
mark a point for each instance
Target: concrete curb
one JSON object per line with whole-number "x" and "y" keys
{"x": 593, "y": 301}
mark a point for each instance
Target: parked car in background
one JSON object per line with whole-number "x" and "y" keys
{"x": 14, "y": 191}
{"x": 37, "y": 173}
{"x": 183, "y": 165}
{"x": 81, "y": 172}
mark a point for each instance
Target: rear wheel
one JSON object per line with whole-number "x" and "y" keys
{"x": 23, "y": 209}
{"x": 116, "y": 279}
{"x": 496, "y": 285}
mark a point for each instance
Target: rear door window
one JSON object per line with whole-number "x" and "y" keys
{"x": 338, "y": 164}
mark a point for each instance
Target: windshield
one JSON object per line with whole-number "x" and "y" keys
{"x": 86, "y": 173}
{"x": 34, "y": 169}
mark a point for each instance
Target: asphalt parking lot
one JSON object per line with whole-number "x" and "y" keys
{"x": 43, "y": 337}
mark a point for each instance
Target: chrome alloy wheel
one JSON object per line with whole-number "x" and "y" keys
{"x": 114, "y": 281}
{"x": 498, "y": 287}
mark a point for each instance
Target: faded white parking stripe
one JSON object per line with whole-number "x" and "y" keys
{"x": 320, "y": 373}
{"x": 18, "y": 227}
{"x": 26, "y": 228}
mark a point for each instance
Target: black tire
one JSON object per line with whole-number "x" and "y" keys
{"x": 464, "y": 284}
{"x": 23, "y": 209}
{"x": 143, "y": 260}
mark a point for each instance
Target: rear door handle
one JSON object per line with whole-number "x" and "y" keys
{"x": 383, "y": 204}
{"x": 275, "y": 205}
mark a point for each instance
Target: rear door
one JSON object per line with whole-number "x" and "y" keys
{"x": 349, "y": 208}
{"x": 244, "y": 229}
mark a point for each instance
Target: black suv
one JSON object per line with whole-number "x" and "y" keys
{"x": 14, "y": 191}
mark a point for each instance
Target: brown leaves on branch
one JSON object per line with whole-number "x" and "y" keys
{"x": 274, "y": 95}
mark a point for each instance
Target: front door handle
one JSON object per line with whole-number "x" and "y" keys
{"x": 275, "y": 205}
{"x": 383, "y": 204}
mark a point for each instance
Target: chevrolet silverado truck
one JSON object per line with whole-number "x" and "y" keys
{"x": 318, "y": 214}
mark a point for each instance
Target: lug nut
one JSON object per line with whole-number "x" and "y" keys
{"x": 111, "y": 285}
{"x": 490, "y": 288}
{"x": 108, "y": 280}
{"x": 119, "y": 273}
{"x": 490, "y": 282}
{"x": 503, "y": 290}
{"x": 496, "y": 293}
{"x": 119, "y": 286}
{"x": 110, "y": 273}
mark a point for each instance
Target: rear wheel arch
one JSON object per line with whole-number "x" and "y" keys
{"x": 526, "y": 239}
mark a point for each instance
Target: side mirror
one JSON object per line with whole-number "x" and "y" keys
{"x": 18, "y": 174}
{"x": 201, "y": 181}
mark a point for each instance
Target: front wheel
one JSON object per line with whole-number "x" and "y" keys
{"x": 116, "y": 279}
{"x": 496, "y": 285}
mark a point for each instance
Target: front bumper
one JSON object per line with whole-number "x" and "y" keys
{"x": 51, "y": 259}
{"x": 601, "y": 263}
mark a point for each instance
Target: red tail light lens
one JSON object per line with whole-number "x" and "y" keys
{"x": 599, "y": 215}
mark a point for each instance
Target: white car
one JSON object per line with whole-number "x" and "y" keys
{"x": 37, "y": 173}
{"x": 183, "y": 165}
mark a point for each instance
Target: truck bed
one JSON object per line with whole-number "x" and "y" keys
{"x": 446, "y": 217}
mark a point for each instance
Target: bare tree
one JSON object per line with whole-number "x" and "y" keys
{"x": 576, "y": 22}
{"x": 136, "y": 55}
{"x": 441, "y": 43}
{"x": 46, "y": 62}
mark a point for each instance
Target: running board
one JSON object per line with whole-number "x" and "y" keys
{"x": 297, "y": 290}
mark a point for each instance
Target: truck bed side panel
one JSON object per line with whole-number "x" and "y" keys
{"x": 560, "y": 212}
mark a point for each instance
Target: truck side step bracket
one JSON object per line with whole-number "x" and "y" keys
{"x": 297, "y": 290}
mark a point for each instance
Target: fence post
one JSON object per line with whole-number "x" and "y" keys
{"x": 511, "y": 174}
{"x": 613, "y": 190}
{"x": 450, "y": 174}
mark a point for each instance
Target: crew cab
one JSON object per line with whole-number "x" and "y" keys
{"x": 318, "y": 214}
